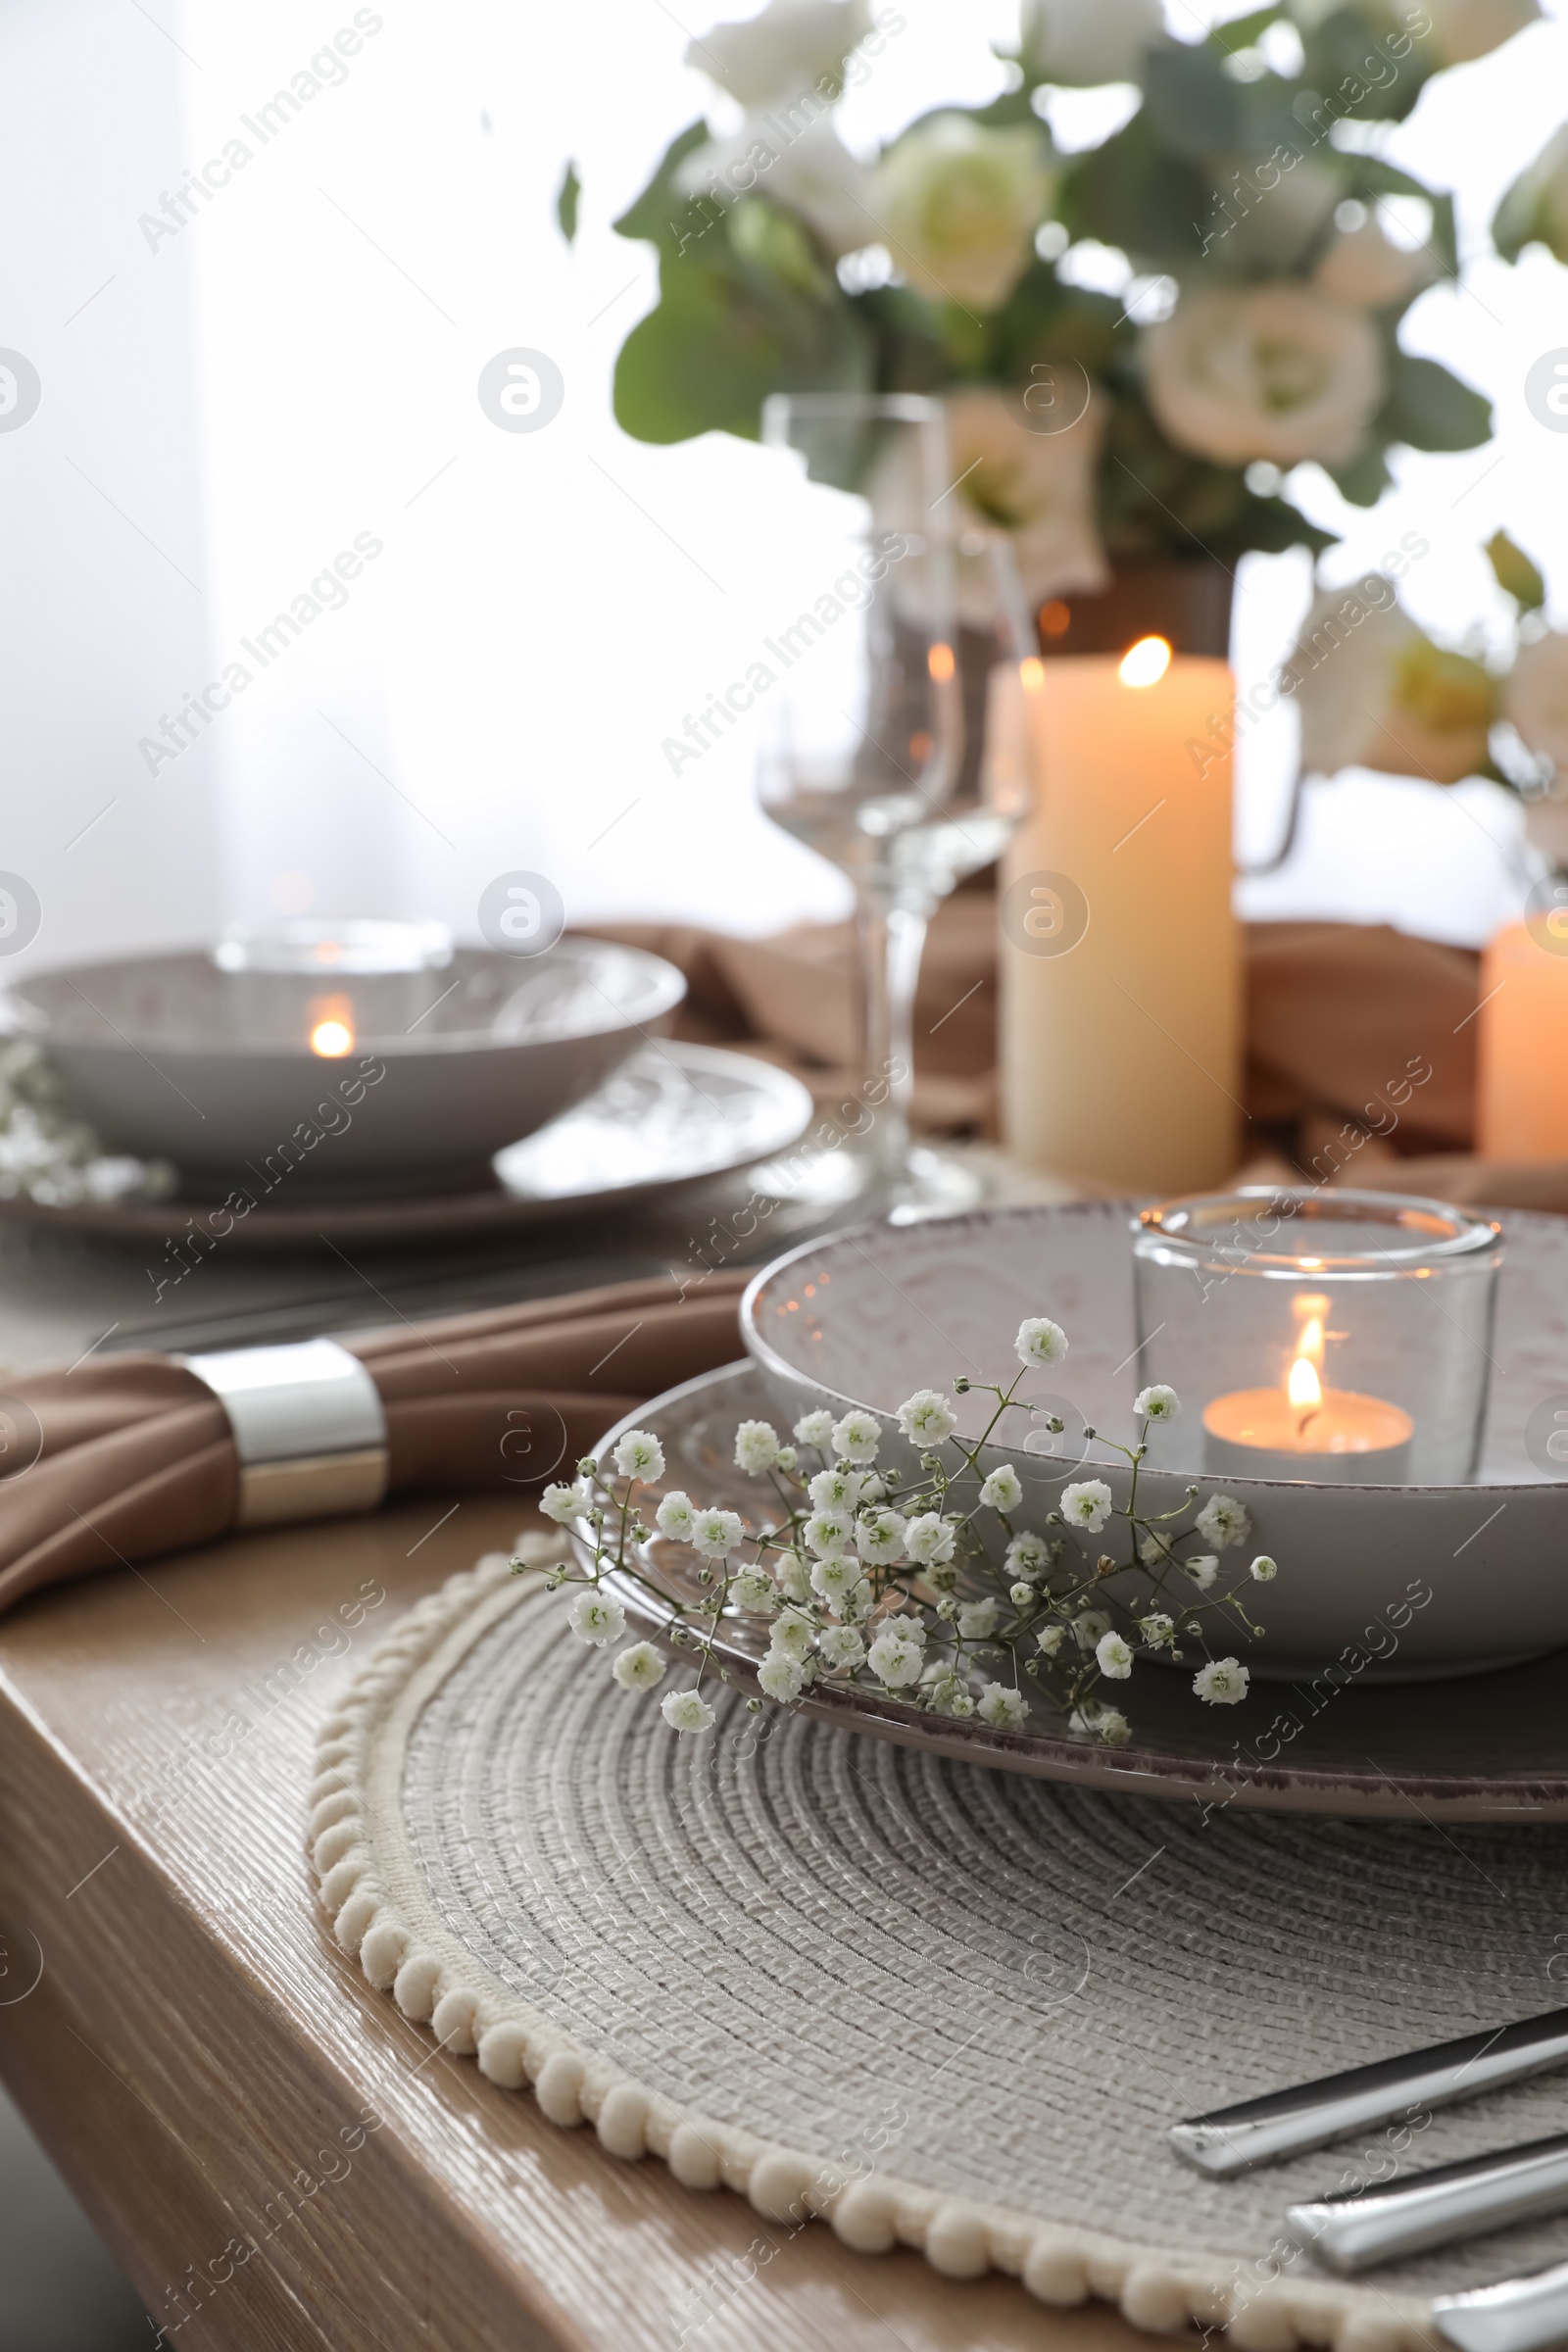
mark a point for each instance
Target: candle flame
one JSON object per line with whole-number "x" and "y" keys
{"x": 1032, "y": 671}
{"x": 1303, "y": 1387}
{"x": 1146, "y": 662}
{"x": 330, "y": 1039}
{"x": 940, "y": 662}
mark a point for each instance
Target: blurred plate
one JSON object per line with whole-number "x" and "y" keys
{"x": 672, "y": 1114}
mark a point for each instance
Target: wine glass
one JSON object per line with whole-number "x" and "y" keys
{"x": 892, "y": 744}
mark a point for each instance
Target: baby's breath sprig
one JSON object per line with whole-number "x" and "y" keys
{"x": 928, "y": 1591}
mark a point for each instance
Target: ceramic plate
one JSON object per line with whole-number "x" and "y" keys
{"x": 1493, "y": 1748}
{"x": 673, "y": 1114}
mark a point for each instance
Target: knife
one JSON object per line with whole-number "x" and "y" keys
{"x": 1290, "y": 2123}
{"x": 1517, "y": 2314}
{"x": 1434, "y": 2208}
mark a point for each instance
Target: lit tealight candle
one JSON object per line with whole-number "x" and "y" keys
{"x": 1334, "y": 1437}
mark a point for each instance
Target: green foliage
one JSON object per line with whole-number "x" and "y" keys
{"x": 567, "y": 203}
{"x": 1515, "y": 572}
{"x": 1431, "y": 409}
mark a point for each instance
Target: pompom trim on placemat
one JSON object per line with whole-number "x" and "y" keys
{"x": 382, "y": 1918}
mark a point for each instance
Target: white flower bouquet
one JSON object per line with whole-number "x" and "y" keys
{"x": 928, "y": 1589}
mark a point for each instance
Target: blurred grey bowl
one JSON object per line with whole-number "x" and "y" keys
{"x": 377, "y": 1080}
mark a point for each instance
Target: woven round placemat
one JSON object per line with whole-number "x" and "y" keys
{"x": 938, "y": 2005}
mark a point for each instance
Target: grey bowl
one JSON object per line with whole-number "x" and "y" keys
{"x": 432, "y": 1072}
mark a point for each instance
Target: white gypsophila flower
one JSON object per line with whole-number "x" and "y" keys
{"x": 640, "y": 1455}
{"x": 857, "y": 1437}
{"x": 790, "y": 1635}
{"x": 834, "y": 1578}
{"x": 1221, "y": 1683}
{"x": 1049, "y": 1639}
{"x": 1040, "y": 1342}
{"x": 1158, "y": 1402}
{"x": 836, "y": 1489}
{"x": 977, "y": 1618}
{"x": 788, "y": 1458}
{"x": 1080, "y": 44}
{"x": 1008, "y": 1710}
{"x": 960, "y": 204}
{"x": 562, "y": 1503}
{"x": 814, "y": 1429}
{"x": 841, "y": 1648}
{"x": 873, "y": 1488}
{"x": 791, "y": 47}
{"x": 1087, "y": 1505}
{"x": 1114, "y": 1656}
{"x": 1202, "y": 1568}
{"x": 755, "y": 1589}
{"x": 686, "y": 1711}
{"x": 1002, "y": 1489}
{"x": 1223, "y": 1521}
{"x": 639, "y": 1667}
{"x": 1264, "y": 1570}
{"x": 756, "y": 1446}
{"x": 1112, "y": 1727}
{"x": 945, "y": 1692}
{"x": 677, "y": 1517}
{"x": 1027, "y": 1555}
{"x": 893, "y": 1658}
{"x": 928, "y": 1416}
{"x": 1021, "y": 1594}
{"x": 1275, "y": 372}
{"x": 780, "y": 1676}
{"x": 879, "y": 1540}
{"x": 828, "y": 1534}
{"x": 596, "y": 1617}
{"x": 716, "y": 1534}
{"x": 929, "y": 1540}
{"x": 1155, "y": 1552}
{"x": 857, "y": 1605}
{"x": 1089, "y": 1626}
{"x": 1157, "y": 1630}
{"x": 793, "y": 1578}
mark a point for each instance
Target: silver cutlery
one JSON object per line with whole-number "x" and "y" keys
{"x": 1290, "y": 2123}
{"x": 1517, "y": 2314}
{"x": 1434, "y": 2208}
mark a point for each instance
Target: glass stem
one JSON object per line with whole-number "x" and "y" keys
{"x": 892, "y": 943}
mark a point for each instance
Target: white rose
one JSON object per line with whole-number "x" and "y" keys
{"x": 1272, "y": 371}
{"x": 1039, "y": 487}
{"x": 1367, "y": 269}
{"x": 794, "y": 45}
{"x": 1085, "y": 42}
{"x": 796, "y": 159}
{"x": 960, "y": 205}
{"x": 1535, "y": 209}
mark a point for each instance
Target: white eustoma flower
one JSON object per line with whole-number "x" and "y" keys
{"x": 596, "y": 1617}
{"x": 977, "y": 1618}
{"x": 1202, "y": 1568}
{"x": 796, "y": 159}
{"x": 686, "y": 1711}
{"x": 1114, "y": 1655}
{"x": 960, "y": 205}
{"x": 836, "y": 1489}
{"x": 879, "y": 1540}
{"x": 1040, "y": 1342}
{"x": 1027, "y": 1555}
{"x": 677, "y": 1517}
{"x": 1002, "y": 1489}
{"x": 1221, "y": 1683}
{"x": 1158, "y": 1402}
{"x": 857, "y": 1437}
{"x": 756, "y": 1446}
{"x": 893, "y": 1658}
{"x": 639, "y": 1667}
{"x": 828, "y": 1534}
{"x": 1464, "y": 29}
{"x": 716, "y": 1534}
{"x": 791, "y": 46}
{"x": 1264, "y": 1570}
{"x": 1008, "y": 1709}
{"x": 639, "y": 1455}
{"x": 928, "y": 1416}
{"x": 755, "y": 1589}
{"x": 1049, "y": 1639}
{"x": 1368, "y": 270}
{"x": 1535, "y": 209}
{"x": 790, "y": 1635}
{"x": 1535, "y": 699}
{"x": 834, "y": 1578}
{"x": 929, "y": 1540}
{"x": 780, "y": 1676}
{"x": 841, "y": 1646}
{"x": 1222, "y": 1522}
{"x": 1087, "y": 1505}
{"x": 1089, "y": 1626}
{"x": 562, "y": 1504}
{"x": 1274, "y": 372}
{"x": 1083, "y": 43}
{"x": 814, "y": 1429}
{"x": 1157, "y": 1629}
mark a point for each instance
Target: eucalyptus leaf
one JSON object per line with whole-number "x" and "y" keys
{"x": 567, "y": 196}
{"x": 1430, "y": 409}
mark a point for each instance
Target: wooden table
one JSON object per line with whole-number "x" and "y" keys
{"x": 230, "y": 2098}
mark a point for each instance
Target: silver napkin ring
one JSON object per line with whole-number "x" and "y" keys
{"x": 308, "y": 1427}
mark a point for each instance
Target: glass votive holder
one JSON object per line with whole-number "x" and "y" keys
{"x": 329, "y": 982}
{"x": 1341, "y": 1337}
